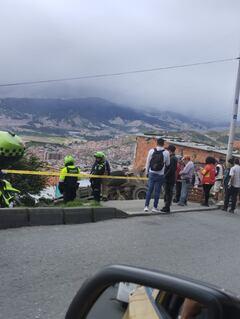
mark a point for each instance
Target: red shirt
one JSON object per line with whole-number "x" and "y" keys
{"x": 209, "y": 173}
{"x": 179, "y": 168}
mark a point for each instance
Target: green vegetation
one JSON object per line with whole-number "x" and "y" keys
{"x": 76, "y": 203}
{"x": 79, "y": 203}
{"x": 43, "y": 139}
{"x": 32, "y": 184}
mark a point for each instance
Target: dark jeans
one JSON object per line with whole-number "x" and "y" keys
{"x": 186, "y": 187}
{"x": 69, "y": 194}
{"x": 206, "y": 190}
{"x": 96, "y": 189}
{"x": 168, "y": 194}
{"x": 233, "y": 193}
{"x": 178, "y": 191}
{"x": 155, "y": 182}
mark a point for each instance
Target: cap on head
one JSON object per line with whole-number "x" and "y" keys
{"x": 99, "y": 155}
{"x": 68, "y": 160}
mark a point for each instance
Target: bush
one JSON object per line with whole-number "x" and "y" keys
{"x": 32, "y": 184}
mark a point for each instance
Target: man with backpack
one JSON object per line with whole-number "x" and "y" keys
{"x": 158, "y": 158}
{"x": 68, "y": 185}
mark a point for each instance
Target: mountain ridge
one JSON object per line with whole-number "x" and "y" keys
{"x": 89, "y": 114}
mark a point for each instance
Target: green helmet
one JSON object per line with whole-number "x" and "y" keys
{"x": 11, "y": 148}
{"x": 68, "y": 160}
{"x": 99, "y": 155}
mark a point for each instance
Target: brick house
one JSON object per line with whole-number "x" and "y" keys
{"x": 197, "y": 152}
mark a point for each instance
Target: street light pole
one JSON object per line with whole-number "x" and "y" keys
{"x": 234, "y": 116}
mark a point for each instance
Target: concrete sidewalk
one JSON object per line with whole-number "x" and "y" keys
{"x": 135, "y": 207}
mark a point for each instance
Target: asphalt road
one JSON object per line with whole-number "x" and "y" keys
{"x": 43, "y": 267}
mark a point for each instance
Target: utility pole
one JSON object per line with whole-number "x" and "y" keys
{"x": 234, "y": 116}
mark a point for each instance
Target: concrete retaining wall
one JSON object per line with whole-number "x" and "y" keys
{"x": 19, "y": 217}
{"x": 103, "y": 214}
{"x": 78, "y": 215}
{"x": 45, "y": 216}
{"x": 11, "y": 218}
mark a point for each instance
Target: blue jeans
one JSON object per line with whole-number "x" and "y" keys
{"x": 155, "y": 181}
{"x": 184, "y": 191}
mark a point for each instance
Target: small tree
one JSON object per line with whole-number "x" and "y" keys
{"x": 32, "y": 184}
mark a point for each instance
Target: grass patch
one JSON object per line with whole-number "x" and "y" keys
{"x": 78, "y": 203}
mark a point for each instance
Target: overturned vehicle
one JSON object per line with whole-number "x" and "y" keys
{"x": 119, "y": 189}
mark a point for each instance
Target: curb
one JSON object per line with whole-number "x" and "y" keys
{"x": 74, "y": 215}
{"x": 188, "y": 210}
{"x": 12, "y": 218}
{"x": 43, "y": 216}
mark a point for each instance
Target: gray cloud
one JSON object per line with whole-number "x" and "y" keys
{"x": 44, "y": 39}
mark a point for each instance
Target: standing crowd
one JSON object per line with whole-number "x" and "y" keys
{"x": 164, "y": 168}
{"x": 177, "y": 174}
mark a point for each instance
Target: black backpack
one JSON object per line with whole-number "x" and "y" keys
{"x": 157, "y": 160}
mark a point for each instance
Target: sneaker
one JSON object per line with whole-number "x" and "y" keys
{"x": 155, "y": 210}
{"x": 224, "y": 209}
{"x": 181, "y": 204}
{"x": 231, "y": 211}
{"x": 146, "y": 209}
{"x": 165, "y": 210}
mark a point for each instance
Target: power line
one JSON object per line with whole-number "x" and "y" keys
{"x": 104, "y": 75}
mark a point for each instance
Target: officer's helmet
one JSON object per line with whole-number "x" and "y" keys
{"x": 11, "y": 148}
{"x": 100, "y": 155}
{"x": 68, "y": 160}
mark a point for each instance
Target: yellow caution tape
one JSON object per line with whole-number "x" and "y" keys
{"x": 81, "y": 175}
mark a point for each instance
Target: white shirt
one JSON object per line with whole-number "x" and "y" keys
{"x": 235, "y": 174}
{"x": 166, "y": 160}
{"x": 220, "y": 172}
{"x": 188, "y": 170}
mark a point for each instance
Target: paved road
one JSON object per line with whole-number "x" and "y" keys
{"x": 42, "y": 267}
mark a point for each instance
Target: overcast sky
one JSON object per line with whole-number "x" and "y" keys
{"x": 50, "y": 39}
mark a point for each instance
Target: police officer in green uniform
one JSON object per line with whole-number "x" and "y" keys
{"x": 68, "y": 185}
{"x": 100, "y": 167}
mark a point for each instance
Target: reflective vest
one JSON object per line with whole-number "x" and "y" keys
{"x": 69, "y": 181}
